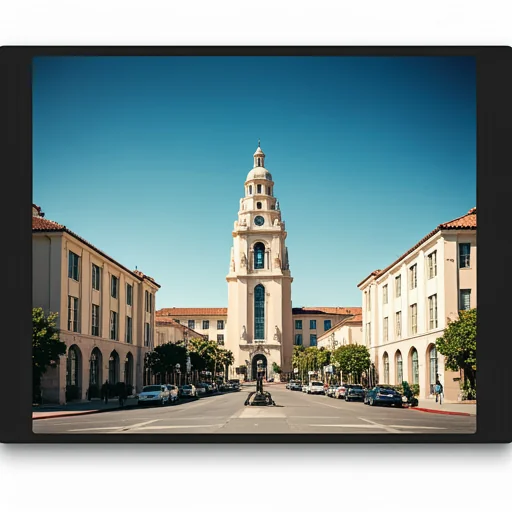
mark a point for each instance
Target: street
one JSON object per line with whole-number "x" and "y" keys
{"x": 294, "y": 413}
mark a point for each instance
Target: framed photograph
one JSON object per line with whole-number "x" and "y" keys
{"x": 256, "y": 244}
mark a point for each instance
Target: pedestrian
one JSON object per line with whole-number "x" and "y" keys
{"x": 122, "y": 393}
{"x": 438, "y": 389}
{"x": 104, "y": 391}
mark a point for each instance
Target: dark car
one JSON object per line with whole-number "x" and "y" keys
{"x": 354, "y": 392}
{"x": 383, "y": 396}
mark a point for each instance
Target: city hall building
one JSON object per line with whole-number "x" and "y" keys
{"x": 261, "y": 324}
{"x": 407, "y": 306}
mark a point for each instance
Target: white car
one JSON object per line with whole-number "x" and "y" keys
{"x": 173, "y": 392}
{"x": 315, "y": 388}
{"x": 156, "y": 394}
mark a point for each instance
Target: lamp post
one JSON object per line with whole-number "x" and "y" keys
{"x": 177, "y": 367}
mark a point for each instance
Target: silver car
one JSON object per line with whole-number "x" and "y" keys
{"x": 156, "y": 394}
{"x": 188, "y": 390}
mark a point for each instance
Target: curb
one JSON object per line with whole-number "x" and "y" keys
{"x": 67, "y": 414}
{"x": 436, "y": 411}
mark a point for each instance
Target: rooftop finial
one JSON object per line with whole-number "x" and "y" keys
{"x": 259, "y": 143}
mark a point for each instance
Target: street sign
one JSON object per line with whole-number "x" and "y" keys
{"x": 295, "y": 370}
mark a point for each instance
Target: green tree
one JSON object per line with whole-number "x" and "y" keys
{"x": 458, "y": 346}
{"x": 46, "y": 347}
{"x": 276, "y": 368}
{"x": 164, "y": 358}
{"x": 226, "y": 359}
{"x": 352, "y": 360}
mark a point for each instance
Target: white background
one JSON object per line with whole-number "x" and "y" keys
{"x": 221, "y": 477}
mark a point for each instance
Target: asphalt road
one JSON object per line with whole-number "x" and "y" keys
{"x": 295, "y": 412}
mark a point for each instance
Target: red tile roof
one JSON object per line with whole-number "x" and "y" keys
{"x": 467, "y": 221}
{"x": 40, "y": 225}
{"x": 327, "y": 310}
{"x": 192, "y": 312}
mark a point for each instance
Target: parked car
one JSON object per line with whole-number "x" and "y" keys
{"x": 340, "y": 391}
{"x": 383, "y": 396}
{"x": 201, "y": 389}
{"x": 173, "y": 392}
{"x": 235, "y": 384}
{"x": 296, "y": 385}
{"x": 157, "y": 394}
{"x": 331, "y": 390}
{"x": 315, "y": 388}
{"x": 354, "y": 392}
{"x": 188, "y": 390}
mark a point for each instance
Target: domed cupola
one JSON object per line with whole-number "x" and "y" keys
{"x": 259, "y": 157}
{"x": 259, "y": 172}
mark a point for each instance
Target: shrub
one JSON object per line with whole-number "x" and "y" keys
{"x": 72, "y": 393}
{"x": 93, "y": 391}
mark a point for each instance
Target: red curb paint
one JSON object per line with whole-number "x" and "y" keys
{"x": 64, "y": 415}
{"x": 435, "y": 411}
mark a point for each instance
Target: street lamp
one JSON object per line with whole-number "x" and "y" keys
{"x": 177, "y": 367}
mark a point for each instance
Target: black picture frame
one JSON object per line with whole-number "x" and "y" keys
{"x": 494, "y": 164}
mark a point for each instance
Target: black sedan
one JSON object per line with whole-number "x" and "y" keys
{"x": 354, "y": 392}
{"x": 383, "y": 396}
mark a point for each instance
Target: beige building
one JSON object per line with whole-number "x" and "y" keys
{"x": 407, "y": 306}
{"x": 210, "y": 323}
{"x": 311, "y": 323}
{"x": 106, "y": 312}
{"x": 348, "y": 331}
{"x": 169, "y": 330}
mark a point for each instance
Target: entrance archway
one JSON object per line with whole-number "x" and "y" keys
{"x": 254, "y": 366}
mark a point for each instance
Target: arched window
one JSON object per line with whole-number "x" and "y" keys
{"x": 268, "y": 191}
{"x": 259, "y": 164}
{"x": 113, "y": 368}
{"x": 258, "y": 205}
{"x": 258, "y": 188}
{"x": 95, "y": 368}
{"x": 433, "y": 367}
{"x": 259, "y": 256}
{"x": 399, "y": 368}
{"x": 250, "y": 189}
{"x": 72, "y": 367}
{"x": 128, "y": 369}
{"x": 385, "y": 359}
{"x": 415, "y": 367}
{"x": 259, "y": 312}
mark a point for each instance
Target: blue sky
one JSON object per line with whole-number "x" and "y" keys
{"x": 146, "y": 158}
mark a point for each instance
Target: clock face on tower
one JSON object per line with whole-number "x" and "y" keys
{"x": 259, "y": 220}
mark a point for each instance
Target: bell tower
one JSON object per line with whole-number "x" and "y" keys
{"x": 259, "y": 324}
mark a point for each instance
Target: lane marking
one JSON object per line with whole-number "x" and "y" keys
{"x": 358, "y": 425}
{"x": 415, "y": 426}
{"x": 116, "y": 429}
{"x": 385, "y": 427}
{"x": 162, "y": 427}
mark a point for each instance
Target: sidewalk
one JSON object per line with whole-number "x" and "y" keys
{"x": 79, "y": 407}
{"x": 457, "y": 408}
